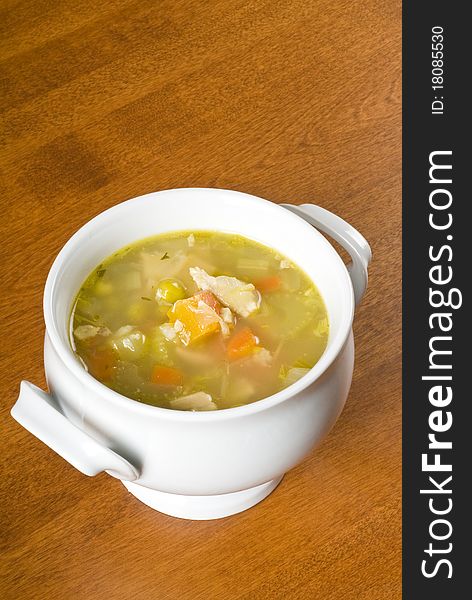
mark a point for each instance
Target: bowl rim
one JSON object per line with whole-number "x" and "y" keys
{"x": 66, "y": 355}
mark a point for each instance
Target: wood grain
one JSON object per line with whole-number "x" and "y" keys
{"x": 294, "y": 101}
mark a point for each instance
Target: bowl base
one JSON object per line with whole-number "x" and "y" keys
{"x": 201, "y": 508}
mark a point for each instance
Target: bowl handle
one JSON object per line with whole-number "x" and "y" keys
{"x": 35, "y": 411}
{"x": 349, "y": 238}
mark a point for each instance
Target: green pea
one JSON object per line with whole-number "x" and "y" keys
{"x": 169, "y": 291}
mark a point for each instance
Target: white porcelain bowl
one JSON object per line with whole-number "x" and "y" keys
{"x": 197, "y": 465}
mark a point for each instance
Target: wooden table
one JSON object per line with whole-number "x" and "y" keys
{"x": 290, "y": 100}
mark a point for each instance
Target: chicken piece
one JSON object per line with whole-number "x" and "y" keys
{"x": 197, "y": 401}
{"x": 239, "y": 296}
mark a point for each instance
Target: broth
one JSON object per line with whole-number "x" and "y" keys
{"x": 198, "y": 321}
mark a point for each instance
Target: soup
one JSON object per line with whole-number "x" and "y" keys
{"x": 198, "y": 321}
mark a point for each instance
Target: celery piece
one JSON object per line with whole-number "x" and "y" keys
{"x": 322, "y": 328}
{"x": 252, "y": 265}
{"x": 160, "y": 348}
{"x": 294, "y": 374}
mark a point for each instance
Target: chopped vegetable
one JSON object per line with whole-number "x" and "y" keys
{"x": 197, "y": 401}
{"x": 253, "y": 265}
{"x": 294, "y": 312}
{"x": 85, "y": 332}
{"x": 322, "y": 327}
{"x": 103, "y": 288}
{"x": 241, "y": 297}
{"x": 242, "y": 343}
{"x": 169, "y": 291}
{"x": 241, "y": 390}
{"x": 163, "y": 375}
{"x": 160, "y": 347}
{"x": 302, "y": 364}
{"x": 191, "y": 240}
{"x": 291, "y": 375}
{"x": 101, "y": 363}
{"x": 268, "y": 284}
{"x": 129, "y": 342}
{"x": 193, "y": 319}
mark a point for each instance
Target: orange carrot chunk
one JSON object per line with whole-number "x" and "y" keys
{"x": 241, "y": 344}
{"x": 166, "y": 376}
{"x": 268, "y": 284}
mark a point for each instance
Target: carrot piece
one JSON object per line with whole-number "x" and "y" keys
{"x": 100, "y": 363}
{"x": 166, "y": 376}
{"x": 268, "y": 284}
{"x": 209, "y": 299}
{"x": 241, "y": 344}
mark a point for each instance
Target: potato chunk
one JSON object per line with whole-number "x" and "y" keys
{"x": 197, "y": 401}
{"x": 241, "y": 297}
{"x": 129, "y": 342}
